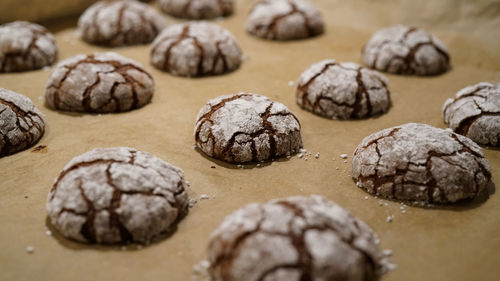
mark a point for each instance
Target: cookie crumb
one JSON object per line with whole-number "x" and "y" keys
{"x": 344, "y": 156}
{"x": 213, "y": 167}
{"x": 336, "y": 168}
{"x": 48, "y": 232}
{"x": 192, "y": 202}
{"x": 387, "y": 253}
{"x": 204, "y": 197}
{"x": 316, "y": 155}
{"x": 291, "y": 83}
{"x": 300, "y": 155}
{"x": 30, "y": 249}
{"x": 40, "y": 149}
{"x": 345, "y": 161}
{"x": 389, "y": 218}
{"x": 367, "y": 197}
{"x": 258, "y": 165}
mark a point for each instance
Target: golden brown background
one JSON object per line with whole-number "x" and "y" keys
{"x": 459, "y": 243}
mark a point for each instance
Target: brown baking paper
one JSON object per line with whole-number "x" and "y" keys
{"x": 459, "y": 242}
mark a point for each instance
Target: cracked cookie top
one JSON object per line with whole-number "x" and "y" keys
{"x": 101, "y": 82}
{"x": 406, "y": 50}
{"x": 120, "y": 23}
{"x": 196, "y": 49}
{"x": 25, "y": 46}
{"x": 246, "y": 128}
{"x": 117, "y": 195}
{"x": 418, "y": 162}
{"x": 197, "y": 9}
{"x": 475, "y": 113}
{"x": 343, "y": 90}
{"x": 21, "y": 123}
{"x": 293, "y": 239}
{"x": 284, "y": 20}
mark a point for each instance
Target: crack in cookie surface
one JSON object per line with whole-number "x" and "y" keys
{"x": 131, "y": 197}
{"x": 197, "y": 9}
{"x": 22, "y": 123}
{"x": 475, "y": 113}
{"x": 120, "y": 84}
{"x": 119, "y": 23}
{"x": 285, "y": 234}
{"x": 196, "y": 49}
{"x": 342, "y": 91}
{"x": 418, "y": 162}
{"x": 246, "y": 128}
{"x": 284, "y": 20}
{"x": 406, "y": 50}
{"x": 15, "y": 56}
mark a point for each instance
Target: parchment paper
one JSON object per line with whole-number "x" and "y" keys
{"x": 454, "y": 243}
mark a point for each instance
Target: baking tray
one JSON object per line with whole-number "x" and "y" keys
{"x": 459, "y": 242}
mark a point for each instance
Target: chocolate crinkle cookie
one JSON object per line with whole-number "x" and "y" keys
{"x": 195, "y": 49}
{"x": 295, "y": 239}
{"x": 418, "y": 162}
{"x": 406, "y": 50}
{"x": 285, "y": 20}
{"x": 120, "y": 23}
{"x": 101, "y": 82}
{"x": 197, "y": 9}
{"x": 25, "y": 46}
{"x": 21, "y": 123}
{"x": 117, "y": 195}
{"x": 475, "y": 113}
{"x": 246, "y": 128}
{"x": 343, "y": 90}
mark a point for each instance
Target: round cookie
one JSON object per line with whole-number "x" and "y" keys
{"x": 101, "y": 82}
{"x": 25, "y": 46}
{"x": 406, "y": 50}
{"x": 294, "y": 239}
{"x": 197, "y": 9}
{"x": 117, "y": 195}
{"x": 120, "y": 23}
{"x": 21, "y": 123}
{"x": 418, "y": 162}
{"x": 285, "y": 20}
{"x": 475, "y": 113}
{"x": 195, "y": 49}
{"x": 246, "y": 128}
{"x": 343, "y": 90}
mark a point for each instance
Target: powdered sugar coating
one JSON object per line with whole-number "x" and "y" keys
{"x": 117, "y": 195}
{"x": 406, "y": 50}
{"x": 195, "y": 49}
{"x": 343, "y": 90}
{"x": 246, "y": 128}
{"x": 119, "y": 23}
{"x": 197, "y": 9}
{"x": 285, "y": 20}
{"x": 421, "y": 163}
{"x": 25, "y": 46}
{"x": 21, "y": 123}
{"x": 475, "y": 113}
{"x": 101, "y": 82}
{"x": 293, "y": 239}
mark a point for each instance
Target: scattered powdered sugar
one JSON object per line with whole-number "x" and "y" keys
{"x": 30, "y": 249}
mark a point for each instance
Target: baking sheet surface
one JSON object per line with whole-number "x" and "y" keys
{"x": 458, "y": 243}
